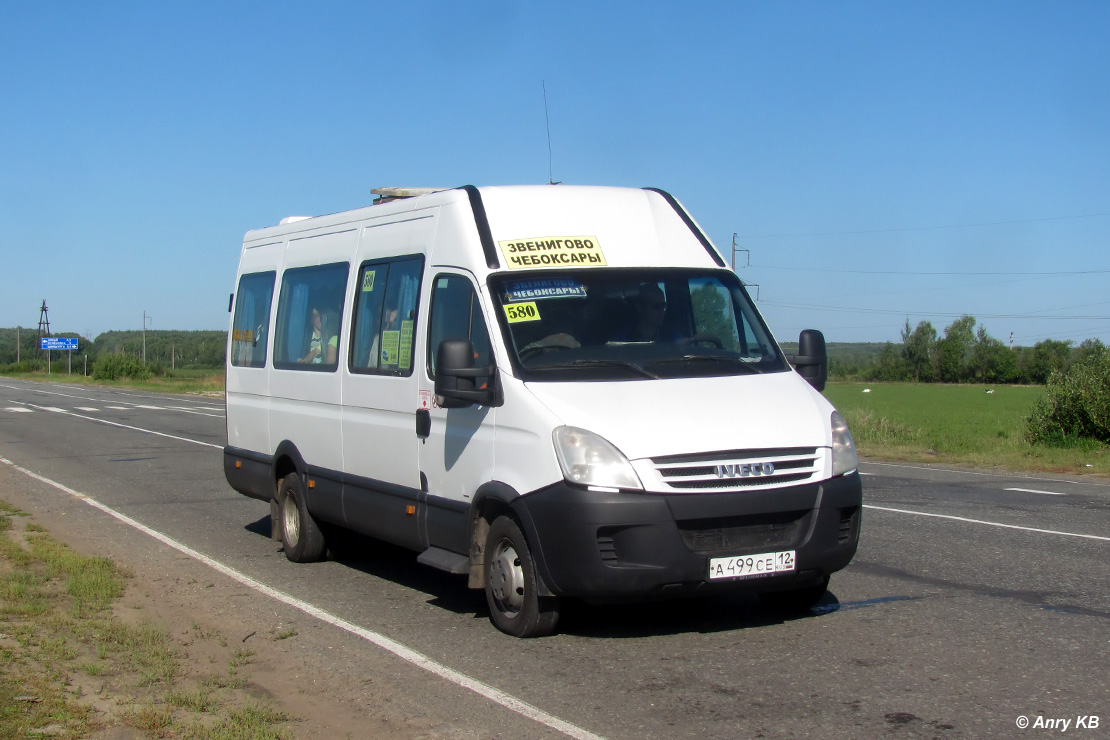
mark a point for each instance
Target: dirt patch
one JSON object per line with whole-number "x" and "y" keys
{"x": 236, "y": 642}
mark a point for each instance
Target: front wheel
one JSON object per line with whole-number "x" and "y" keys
{"x": 301, "y": 537}
{"x": 515, "y": 606}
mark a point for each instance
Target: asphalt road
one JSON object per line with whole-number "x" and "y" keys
{"x": 976, "y": 599}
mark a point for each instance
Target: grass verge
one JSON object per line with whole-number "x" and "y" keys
{"x": 185, "y": 382}
{"x": 956, "y": 424}
{"x": 71, "y": 665}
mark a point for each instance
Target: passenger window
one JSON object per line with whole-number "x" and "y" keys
{"x": 310, "y": 308}
{"x": 384, "y": 333}
{"x": 457, "y": 314}
{"x": 251, "y": 327}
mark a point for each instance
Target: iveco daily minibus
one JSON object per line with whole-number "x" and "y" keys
{"x": 560, "y": 392}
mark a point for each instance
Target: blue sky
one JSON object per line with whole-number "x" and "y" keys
{"x": 879, "y": 160}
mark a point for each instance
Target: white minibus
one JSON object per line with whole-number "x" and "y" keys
{"x": 560, "y": 392}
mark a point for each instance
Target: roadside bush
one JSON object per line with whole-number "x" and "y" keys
{"x": 23, "y": 366}
{"x": 1077, "y": 406}
{"x": 114, "y": 367}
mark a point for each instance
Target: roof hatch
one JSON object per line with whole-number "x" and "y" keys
{"x": 387, "y": 194}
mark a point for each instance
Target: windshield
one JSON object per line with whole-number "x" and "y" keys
{"x": 620, "y": 324}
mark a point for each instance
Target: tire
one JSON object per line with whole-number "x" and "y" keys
{"x": 301, "y": 537}
{"x": 797, "y": 600}
{"x": 515, "y": 606}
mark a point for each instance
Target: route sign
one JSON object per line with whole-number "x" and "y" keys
{"x": 59, "y": 343}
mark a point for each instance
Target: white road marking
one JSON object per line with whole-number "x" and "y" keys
{"x": 85, "y": 408}
{"x": 405, "y": 653}
{"x": 992, "y": 524}
{"x": 126, "y": 408}
{"x": 55, "y": 409}
{"x": 988, "y": 475}
{"x": 128, "y": 426}
{"x": 152, "y": 408}
{"x": 19, "y": 409}
{"x": 186, "y": 411}
{"x": 1030, "y": 490}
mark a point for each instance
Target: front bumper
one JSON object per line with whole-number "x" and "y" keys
{"x": 615, "y": 546}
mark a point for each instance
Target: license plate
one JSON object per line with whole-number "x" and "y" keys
{"x": 746, "y": 566}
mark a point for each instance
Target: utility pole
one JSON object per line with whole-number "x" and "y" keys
{"x": 145, "y": 317}
{"x": 736, "y": 249}
{"x": 44, "y": 330}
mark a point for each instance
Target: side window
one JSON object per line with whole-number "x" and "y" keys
{"x": 310, "y": 308}
{"x": 457, "y": 314}
{"x": 251, "y": 328}
{"x": 384, "y": 331}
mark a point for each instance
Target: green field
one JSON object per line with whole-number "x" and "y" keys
{"x": 957, "y": 424}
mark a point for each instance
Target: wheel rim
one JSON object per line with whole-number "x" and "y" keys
{"x": 507, "y": 579}
{"x": 291, "y": 520}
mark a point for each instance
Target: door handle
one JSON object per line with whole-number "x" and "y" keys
{"x": 423, "y": 423}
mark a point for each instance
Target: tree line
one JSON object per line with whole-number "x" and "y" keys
{"x": 165, "y": 349}
{"x": 965, "y": 353}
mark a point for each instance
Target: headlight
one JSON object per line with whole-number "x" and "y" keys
{"x": 845, "y": 459}
{"x": 589, "y": 460}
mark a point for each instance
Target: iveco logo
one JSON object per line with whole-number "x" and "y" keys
{"x": 745, "y": 470}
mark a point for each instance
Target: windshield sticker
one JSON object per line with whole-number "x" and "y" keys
{"x": 404, "y": 352}
{"x": 390, "y": 340}
{"x": 553, "y": 251}
{"x": 368, "y": 280}
{"x": 522, "y": 312}
{"x": 528, "y": 290}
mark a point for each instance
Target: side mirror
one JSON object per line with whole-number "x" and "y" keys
{"x": 455, "y": 374}
{"x": 812, "y": 361}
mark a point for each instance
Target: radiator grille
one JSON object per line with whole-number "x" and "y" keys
{"x": 737, "y": 469}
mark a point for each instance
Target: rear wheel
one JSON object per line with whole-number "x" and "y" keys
{"x": 301, "y": 537}
{"x": 515, "y": 606}
{"x": 796, "y": 600}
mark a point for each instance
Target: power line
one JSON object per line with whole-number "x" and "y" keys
{"x": 925, "y": 228}
{"x": 1078, "y": 305}
{"x": 935, "y": 313}
{"x": 923, "y": 272}
{"x": 1084, "y": 333}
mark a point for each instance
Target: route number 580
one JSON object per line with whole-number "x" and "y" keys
{"x": 522, "y": 312}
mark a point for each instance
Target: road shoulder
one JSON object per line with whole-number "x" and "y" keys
{"x": 331, "y": 687}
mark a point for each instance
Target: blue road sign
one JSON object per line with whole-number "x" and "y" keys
{"x": 59, "y": 343}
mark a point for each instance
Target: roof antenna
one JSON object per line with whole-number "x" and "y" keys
{"x": 550, "y": 174}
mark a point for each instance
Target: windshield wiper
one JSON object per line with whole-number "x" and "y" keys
{"x": 599, "y": 363}
{"x": 735, "y": 361}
